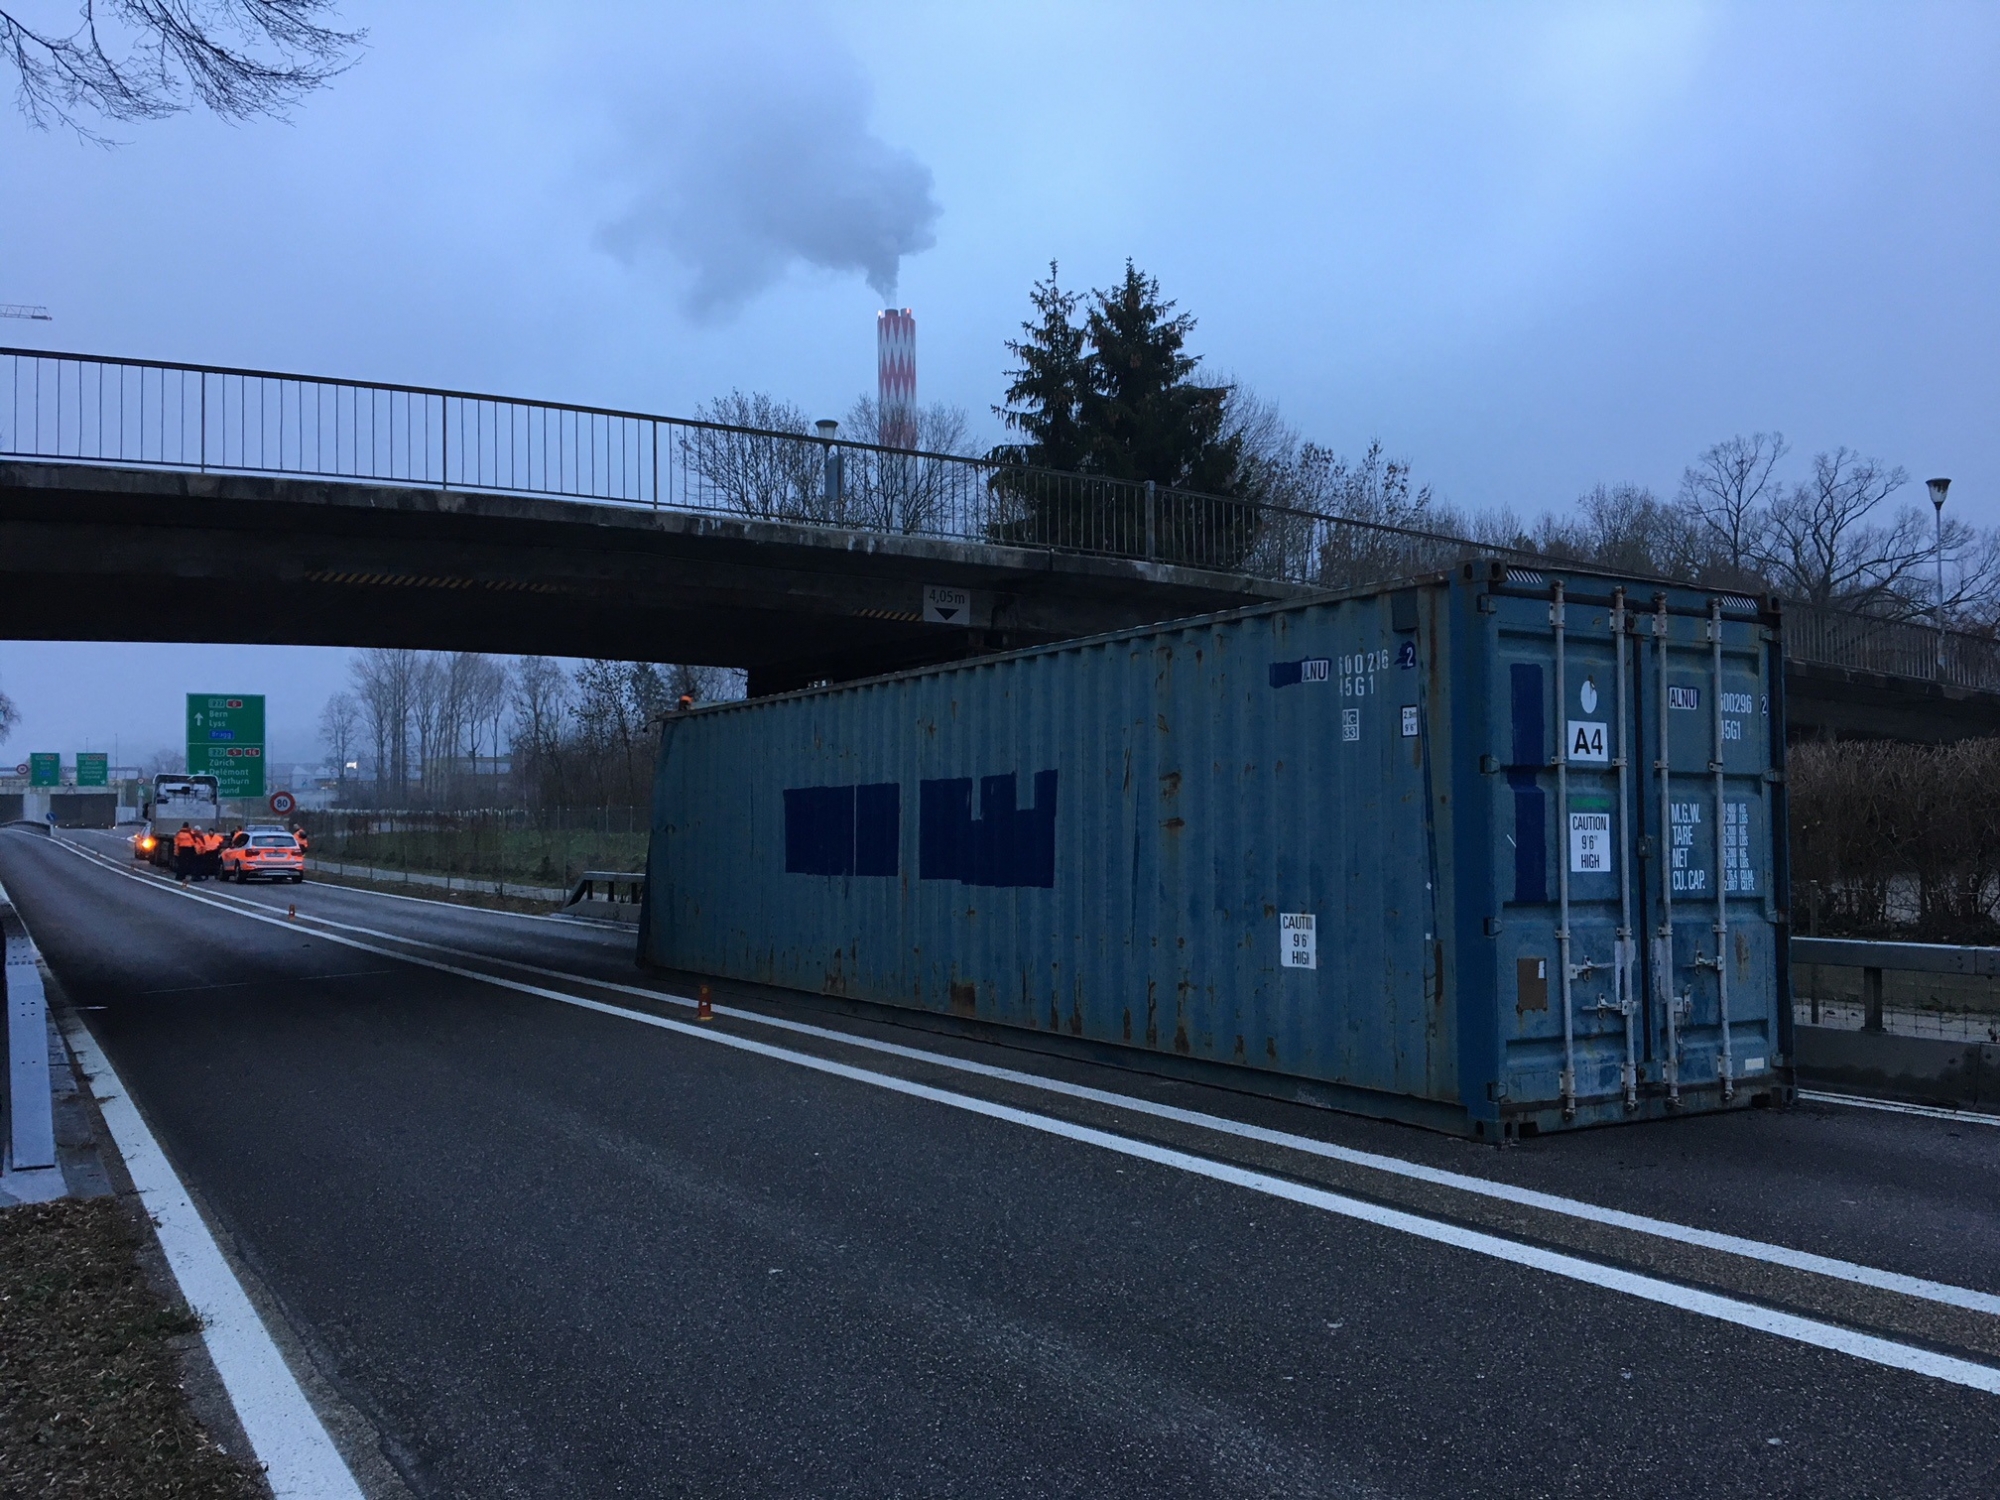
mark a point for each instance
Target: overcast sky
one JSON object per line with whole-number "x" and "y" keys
{"x": 1530, "y": 248}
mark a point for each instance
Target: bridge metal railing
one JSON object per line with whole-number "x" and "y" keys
{"x": 83, "y": 408}
{"x": 1897, "y": 648}
{"x": 213, "y": 419}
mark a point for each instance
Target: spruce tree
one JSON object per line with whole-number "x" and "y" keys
{"x": 1144, "y": 415}
{"x": 1045, "y": 392}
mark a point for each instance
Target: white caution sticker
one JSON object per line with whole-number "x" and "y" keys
{"x": 1590, "y": 843}
{"x": 1298, "y": 946}
{"x": 1589, "y": 741}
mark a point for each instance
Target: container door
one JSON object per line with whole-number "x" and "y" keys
{"x": 1567, "y": 931}
{"x": 1639, "y": 932}
{"x": 1711, "y": 928}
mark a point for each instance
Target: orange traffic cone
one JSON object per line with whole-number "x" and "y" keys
{"x": 292, "y": 912}
{"x": 703, "y": 1010}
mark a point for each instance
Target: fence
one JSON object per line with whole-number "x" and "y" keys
{"x": 546, "y": 851}
{"x": 81, "y": 408}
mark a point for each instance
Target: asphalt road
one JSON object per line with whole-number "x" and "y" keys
{"x": 546, "y": 1249}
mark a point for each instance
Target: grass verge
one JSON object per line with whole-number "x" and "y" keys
{"x": 90, "y": 1396}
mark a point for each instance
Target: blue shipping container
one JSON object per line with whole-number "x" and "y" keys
{"x": 1494, "y": 850}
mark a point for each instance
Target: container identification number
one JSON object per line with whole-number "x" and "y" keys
{"x": 1357, "y": 673}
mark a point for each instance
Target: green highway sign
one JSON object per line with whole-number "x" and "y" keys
{"x": 93, "y": 768}
{"x": 225, "y": 739}
{"x": 44, "y": 770}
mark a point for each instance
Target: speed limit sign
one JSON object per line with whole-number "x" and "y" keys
{"x": 283, "y": 803}
{"x": 21, "y": 769}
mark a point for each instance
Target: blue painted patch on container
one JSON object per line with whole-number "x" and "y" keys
{"x": 1531, "y": 863}
{"x": 1292, "y": 673}
{"x": 1005, "y": 845}
{"x": 843, "y": 830}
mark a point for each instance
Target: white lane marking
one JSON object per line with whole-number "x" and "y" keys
{"x": 1864, "y": 1346}
{"x": 299, "y": 1459}
{"x": 362, "y": 890}
{"x": 1708, "y": 1239}
{"x": 1928, "y": 1111}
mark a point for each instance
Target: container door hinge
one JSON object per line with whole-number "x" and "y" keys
{"x": 1493, "y": 927}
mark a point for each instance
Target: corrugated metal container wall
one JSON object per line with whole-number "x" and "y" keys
{"x": 1398, "y": 851}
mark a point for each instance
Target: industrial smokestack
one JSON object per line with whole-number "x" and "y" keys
{"x": 896, "y": 374}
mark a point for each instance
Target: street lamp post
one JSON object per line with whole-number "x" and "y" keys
{"x": 1937, "y": 489}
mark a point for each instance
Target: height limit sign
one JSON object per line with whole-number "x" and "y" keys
{"x": 225, "y": 739}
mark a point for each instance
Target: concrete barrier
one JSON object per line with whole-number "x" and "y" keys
{"x": 31, "y": 1139}
{"x": 1921, "y": 1070}
{"x": 387, "y": 875}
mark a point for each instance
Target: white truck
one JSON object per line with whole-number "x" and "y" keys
{"x": 177, "y": 798}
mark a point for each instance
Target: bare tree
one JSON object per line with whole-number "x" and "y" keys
{"x": 751, "y": 470}
{"x": 905, "y": 492}
{"x": 430, "y": 708}
{"x": 339, "y": 726}
{"x": 482, "y": 706}
{"x": 10, "y": 717}
{"x": 145, "y": 59}
{"x": 1625, "y": 528}
{"x": 540, "y": 701}
{"x": 382, "y": 688}
{"x": 1728, "y": 492}
{"x": 1826, "y": 547}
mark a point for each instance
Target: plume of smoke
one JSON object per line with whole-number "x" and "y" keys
{"x": 760, "y": 157}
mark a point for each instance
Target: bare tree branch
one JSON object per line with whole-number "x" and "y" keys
{"x": 1728, "y": 491}
{"x": 146, "y": 59}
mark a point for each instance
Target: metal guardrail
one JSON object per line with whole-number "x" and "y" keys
{"x": 1873, "y": 959}
{"x": 1910, "y": 958}
{"x": 90, "y": 409}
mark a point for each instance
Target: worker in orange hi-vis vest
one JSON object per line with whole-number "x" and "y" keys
{"x": 209, "y": 852}
{"x": 185, "y": 846}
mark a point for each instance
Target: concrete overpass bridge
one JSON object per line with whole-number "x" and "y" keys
{"x": 150, "y": 501}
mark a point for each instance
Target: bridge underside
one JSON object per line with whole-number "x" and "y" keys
{"x": 101, "y": 553}
{"x": 1843, "y": 703}
{"x": 93, "y": 552}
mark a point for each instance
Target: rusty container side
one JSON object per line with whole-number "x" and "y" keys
{"x": 1275, "y": 845}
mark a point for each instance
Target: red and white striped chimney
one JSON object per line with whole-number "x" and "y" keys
{"x": 896, "y": 373}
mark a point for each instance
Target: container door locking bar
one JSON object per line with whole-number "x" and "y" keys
{"x": 1720, "y": 833}
{"x": 1562, "y": 861}
{"x": 1675, "y": 1007}
{"x": 1626, "y": 1005}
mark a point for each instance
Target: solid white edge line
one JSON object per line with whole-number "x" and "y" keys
{"x": 1666, "y": 1229}
{"x": 1864, "y": 1346}
{"x": 1891, "y": 1106}
{"x": 299, "y": 1459}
